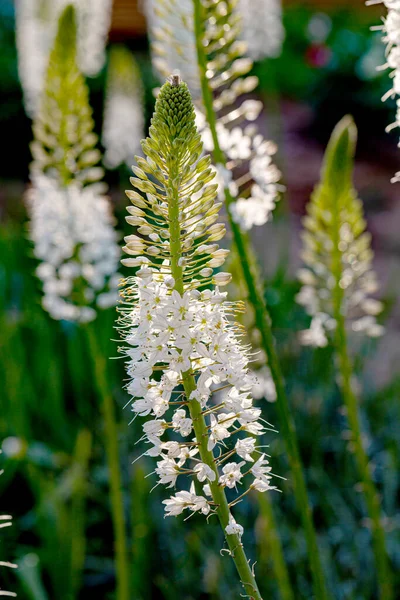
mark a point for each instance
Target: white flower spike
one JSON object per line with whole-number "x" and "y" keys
{"x": 179, "y": 340}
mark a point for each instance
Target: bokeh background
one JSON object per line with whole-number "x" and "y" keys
{"x": 56, "y": 481}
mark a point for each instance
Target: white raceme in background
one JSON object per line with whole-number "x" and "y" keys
{"x": 252, "y": 177}
{"x": 123, "y": 126}
{"x": 391, "y": 37}
{"x": 71, "y": 224}
{"x": 262, "y": 27}
{"x": 170, "y": 28}
{"x": 36, "y": 27}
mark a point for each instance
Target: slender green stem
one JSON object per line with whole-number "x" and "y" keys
{"x": 263, "y": 323}
{"x": 275, "y": 552}
{"x": 199, "y": 425}
{"x": 351, "y": 403}
{"x": 82, "y": 454}
{"x": 111, "y": 446}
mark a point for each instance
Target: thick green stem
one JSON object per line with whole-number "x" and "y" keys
{"x": 111, "y": 446}
{"x": 199, "y": 425}
{"x": 263, "y": 323}
{"x": 351, "y": 403}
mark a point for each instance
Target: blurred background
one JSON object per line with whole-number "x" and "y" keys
{"x": 56, "y": 481}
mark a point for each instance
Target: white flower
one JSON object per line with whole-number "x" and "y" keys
{"x": 231, "y": 474}
{"x": 219, "y": 429}
{"x": 254, "y": 211}
{"x": 168, "y": 471}
{"x": 186, "y": 500}
{"x": 262, "y": 485}
{"x": 261, "y": 468}
{"x": 182, "y": 423}
{"x": 245, "y": 447}
{"x": 154, "y": 428}
{"x": 263, "y": 386}
{"x": 234, "y": 528}
{"x": 315, "y": 335}
{"x": 204, "y": 472}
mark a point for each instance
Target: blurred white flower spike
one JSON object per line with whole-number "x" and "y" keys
{"x": 170, "y": 27}
{"x": 71, "y": 225}
{"x": 72, "y": 229}
{"x": 36, "y": 27}
{"x": 180, "y": 343}
{"x": 391, "y": 37}
{"x": 123, "y": 126}
{"x": 250, "y": 174}
{"x": 262, "y": 27}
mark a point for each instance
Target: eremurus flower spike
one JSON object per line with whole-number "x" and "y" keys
{"x": 338, "y": 280}
{"x": 205, "y": 14}
{"x": 175, "y": 324}
{"x": 72, "y": 226}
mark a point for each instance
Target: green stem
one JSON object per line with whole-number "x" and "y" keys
{"x": 269, "y": 530}
{"x": 77, "y": 519}
{"x": 199, "y": 425}
{"x": 351, "y": 403}
{"x": 263, "y": 324}
{"x": 111, "y": 446}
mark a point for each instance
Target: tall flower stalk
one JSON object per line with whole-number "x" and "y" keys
{"x": 222, "y": 49}
{"x": 180, "y": 344}
{"x": 73, "y": 234}
{"x": 338, "y": 281}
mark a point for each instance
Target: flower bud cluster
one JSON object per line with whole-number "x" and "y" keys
{"x": 262, "y": 27}
{"x": 358, "y": 280}
{"x": 123, "y": 113}
{"x": 180, "y": 343}
{"x": 74, "y": 238}
{"x": 36, "y": 22}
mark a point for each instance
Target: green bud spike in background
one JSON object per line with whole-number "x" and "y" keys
{"x": 338, "y": 258}
{"x": 64, "y": 145}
